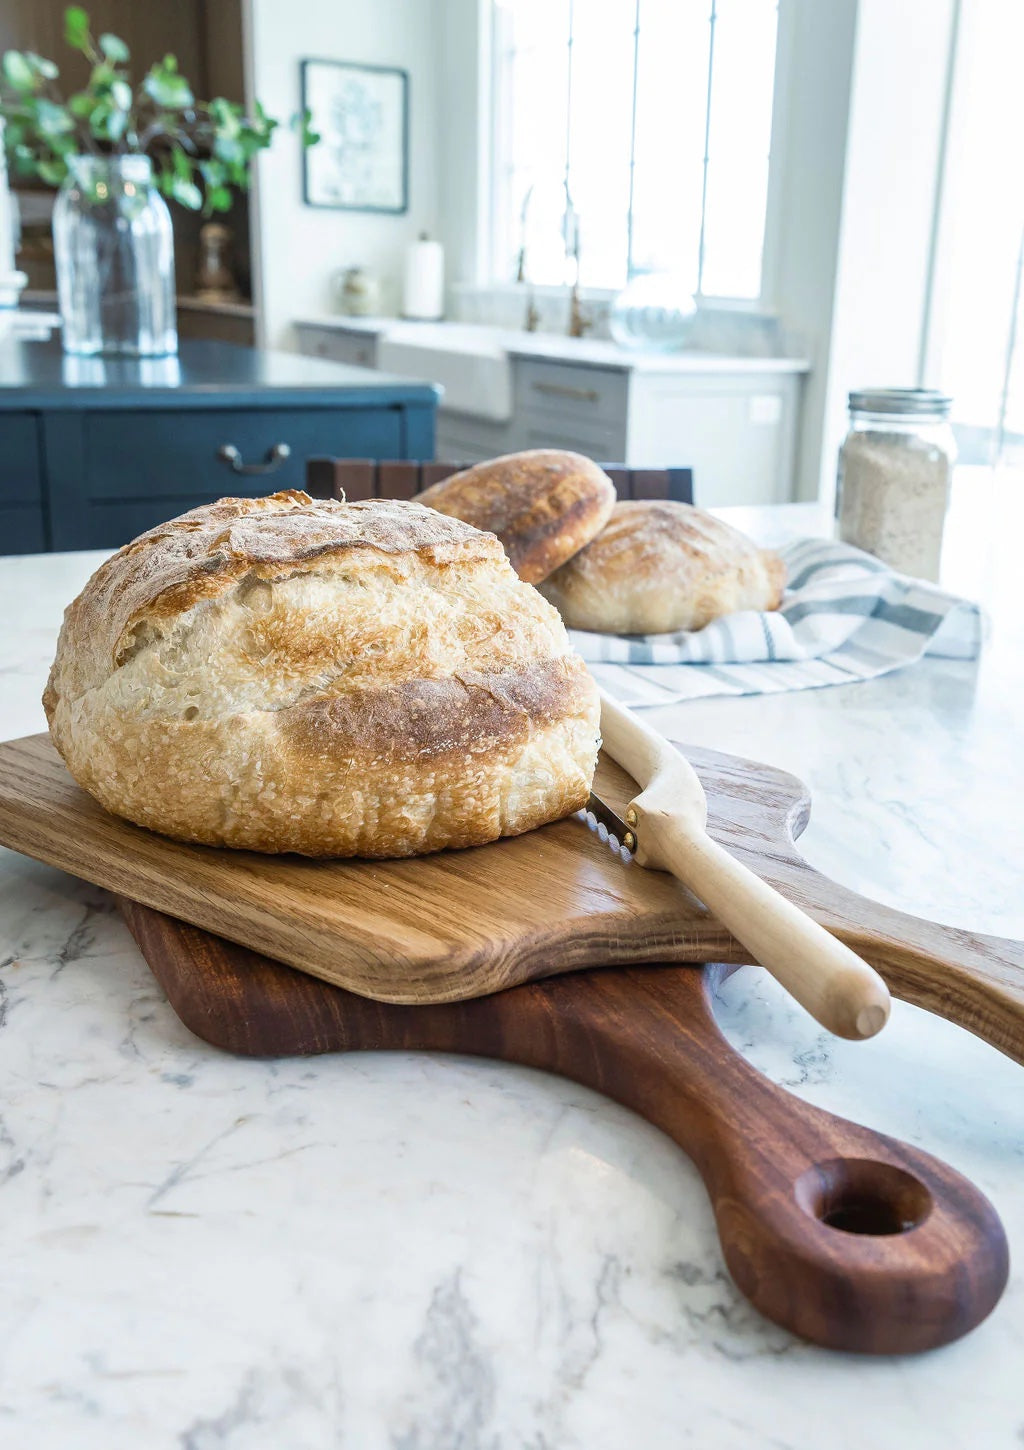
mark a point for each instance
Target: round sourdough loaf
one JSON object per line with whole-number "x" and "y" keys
{"x": 335, "y": 679}
{"x": 543, "y": 505}
{"x": 659, "y": 566}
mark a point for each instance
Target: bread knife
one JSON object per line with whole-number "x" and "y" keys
{"x": 665, "y": 829}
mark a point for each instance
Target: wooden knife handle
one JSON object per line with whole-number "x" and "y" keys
{"x": 846, "y": 1237}
{"x": 825, "y": 976}
{"x": 820, "y": 972}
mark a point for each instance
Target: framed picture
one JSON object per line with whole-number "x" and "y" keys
{"x": 361, "y": 112}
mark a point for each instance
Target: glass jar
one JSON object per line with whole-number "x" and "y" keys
{"x": 358, "y": 292}
{"x": 114, "y": 252}
{"x": 895, "y": 467}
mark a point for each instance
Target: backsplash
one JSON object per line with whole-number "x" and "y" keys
{"x": 506, "y": 306}
{"x": 729, "y": 331}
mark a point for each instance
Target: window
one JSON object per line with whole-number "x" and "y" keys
{"x": 654, "y": 118}
{"x": 977, "y": 323}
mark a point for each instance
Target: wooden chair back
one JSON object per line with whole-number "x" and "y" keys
{"x": 359, "y": 478}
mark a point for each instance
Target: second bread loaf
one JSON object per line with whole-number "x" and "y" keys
{"x": 544, "y": 505}
{"x": 659, "y": 566}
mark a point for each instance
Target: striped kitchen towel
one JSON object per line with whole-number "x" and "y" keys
{"x": 845, "y": 617}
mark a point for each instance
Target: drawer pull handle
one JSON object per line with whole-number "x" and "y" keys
{"x": 562, "y": 390}
{"x": 228, "y": 453}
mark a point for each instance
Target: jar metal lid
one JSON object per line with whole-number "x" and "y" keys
{"x": 914, "y": 402}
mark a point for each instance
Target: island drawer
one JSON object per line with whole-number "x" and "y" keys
{"x": 22, "y": 529}
{"x": 20, "y": 480}
{"x": 175, "y": 455}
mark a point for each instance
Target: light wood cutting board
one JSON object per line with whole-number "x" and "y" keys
{"x": 463, "y": 924}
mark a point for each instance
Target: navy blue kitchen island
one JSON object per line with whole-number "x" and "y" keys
{"x": 95, "y": 450}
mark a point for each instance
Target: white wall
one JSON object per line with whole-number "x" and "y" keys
{"x": 812, "y": 103}
{"x": 464, "y": 180}
{"x": 298, "y": 248}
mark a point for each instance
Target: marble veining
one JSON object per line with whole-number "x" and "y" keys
{"x": 406, "y": 1252}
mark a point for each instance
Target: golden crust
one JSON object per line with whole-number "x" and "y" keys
{"x": 203, "y": 553}
{"x": 659, "y": 566}
{"x": 332, "y": 679}
{"x": 543, "y": 505}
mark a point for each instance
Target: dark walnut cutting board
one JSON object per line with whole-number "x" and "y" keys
{"x": 462, "y": 924}
{"x": 842, "y": 1235}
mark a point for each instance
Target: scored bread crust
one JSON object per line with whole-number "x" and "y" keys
{"x": 543, "y": 504}
{"x": 659, "y": 566}
{"x": 334, "y": 679}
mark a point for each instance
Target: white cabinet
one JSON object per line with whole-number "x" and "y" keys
{"x": 737, "y": 431}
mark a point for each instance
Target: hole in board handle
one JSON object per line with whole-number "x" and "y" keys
{"x": 862, "y": 1196}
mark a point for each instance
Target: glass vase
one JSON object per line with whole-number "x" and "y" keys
{"x": 114, "y": 252}
{"x": 654, "y": 313}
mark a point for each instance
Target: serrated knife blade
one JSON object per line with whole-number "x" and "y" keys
{"x": 612, "y": 822}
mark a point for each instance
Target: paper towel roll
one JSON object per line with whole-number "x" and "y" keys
{"x": 423, "y": 283}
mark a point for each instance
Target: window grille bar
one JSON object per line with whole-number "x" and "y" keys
{"x": 707, "y": 151}
{"x": 632, "y": 144}
{"x": 568, "y": 114}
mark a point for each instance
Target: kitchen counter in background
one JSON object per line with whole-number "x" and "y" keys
{"x": 585, "y": 351}
{"x": 398, "y": 1249}
{"x": 733, "y": 420}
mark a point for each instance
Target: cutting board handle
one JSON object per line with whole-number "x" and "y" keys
{"x": 846, "y": 1237}
{"x": 968, "y": 977}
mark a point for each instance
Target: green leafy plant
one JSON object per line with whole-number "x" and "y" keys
{"x": 200, "y": 149}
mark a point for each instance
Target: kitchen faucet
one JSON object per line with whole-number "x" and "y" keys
{"x": 532, "y": 315}
{"x": 579, "y": 318}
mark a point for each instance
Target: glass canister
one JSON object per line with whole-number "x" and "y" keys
{"x": 895, "y": 468}
{"x": 358, "y": 292}
{"x": 114, "y": 252}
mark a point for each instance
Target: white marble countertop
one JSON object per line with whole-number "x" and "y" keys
{"x": 396, "y": 1250}
{"x": 480, "y": 338}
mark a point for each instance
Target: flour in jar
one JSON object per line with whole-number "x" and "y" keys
{"x": 894, "y": 490}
